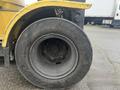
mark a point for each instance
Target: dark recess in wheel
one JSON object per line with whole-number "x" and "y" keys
{"x": 53, "y": 53}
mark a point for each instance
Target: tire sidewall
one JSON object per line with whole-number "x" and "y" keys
{"x": 58, "y": 26}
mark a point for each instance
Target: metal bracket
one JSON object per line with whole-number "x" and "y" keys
{"x": 4, "y": 52}
{"x": 6, "y": 57}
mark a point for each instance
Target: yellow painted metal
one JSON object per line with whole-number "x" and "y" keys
{"x": 5, "y": 17}
{"x": 11, "y": 5}
{"x": 8, "y": 9}
{"x": 40, "y": 4}
{"x": 19, "y": 2}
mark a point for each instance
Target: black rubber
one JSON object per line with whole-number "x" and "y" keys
{"x": 57, "y": 26}
{"x": 75, "y": 15}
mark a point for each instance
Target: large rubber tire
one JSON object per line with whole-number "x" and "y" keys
{"x": 29, "y": 55}
{"x": 75, "y": 15}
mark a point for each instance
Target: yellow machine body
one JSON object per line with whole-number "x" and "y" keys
{"x": 8, "y": 9}
{"x": 12, "y": 11}
{"x": 11, "y": 5}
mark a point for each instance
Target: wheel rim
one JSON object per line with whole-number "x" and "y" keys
{"x": 53, "y": 56}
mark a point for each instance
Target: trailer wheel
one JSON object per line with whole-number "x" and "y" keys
{"x": 53, "y": 53}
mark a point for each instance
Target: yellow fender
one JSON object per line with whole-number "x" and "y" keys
{"x": 40, "y": 4}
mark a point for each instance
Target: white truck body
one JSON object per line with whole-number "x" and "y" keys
{"x": 101, "y": 8}
{"x": 27, "y": 2}
{"x": 109, "y": 10}
{"x": 117, "y": 13}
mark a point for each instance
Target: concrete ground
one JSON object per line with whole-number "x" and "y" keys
{"x": 103, "y": 75}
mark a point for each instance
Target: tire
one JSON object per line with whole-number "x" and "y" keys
{"x": 53, "y": 53}
{"x": 74, "y": 15}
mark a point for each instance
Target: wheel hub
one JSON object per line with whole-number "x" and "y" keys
{"x": 55, "y": 51}
{"x": 53, "y": 56}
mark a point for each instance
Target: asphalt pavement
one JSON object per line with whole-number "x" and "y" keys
{"x": 103, "y": 75}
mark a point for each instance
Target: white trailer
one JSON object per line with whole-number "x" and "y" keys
{"x": 104, "y": 12}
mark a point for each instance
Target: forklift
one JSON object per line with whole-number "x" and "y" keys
{"x": 46, "y": 40}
